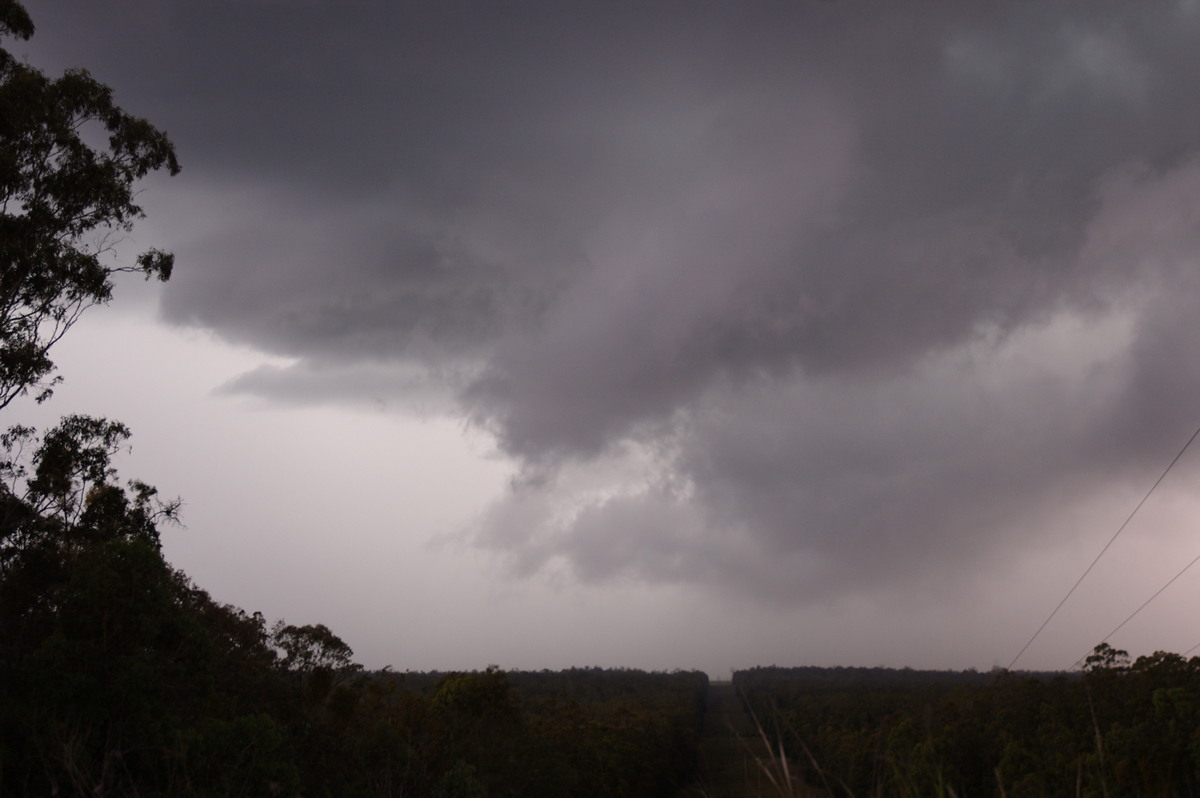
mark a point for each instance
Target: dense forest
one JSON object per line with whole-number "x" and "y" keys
{"x": 1115, "y": 729}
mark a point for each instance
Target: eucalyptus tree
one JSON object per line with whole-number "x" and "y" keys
{"x": 92, "y": 628}
{"x": 69, "y": 162}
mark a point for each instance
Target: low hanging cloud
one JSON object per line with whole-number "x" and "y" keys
{"x": 783, "y": 299}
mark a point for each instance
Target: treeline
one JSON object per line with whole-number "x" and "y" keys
{"x": 1116, "y": 729}
{"x": 121, "y": 677}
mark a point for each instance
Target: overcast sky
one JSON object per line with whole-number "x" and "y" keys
{"x": 676, "y": 334}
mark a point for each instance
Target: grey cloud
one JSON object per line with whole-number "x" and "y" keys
{"x": 382, "y": 386}
{"x": 354, "y": 281}
{"x": 800, "y": 490}
{"x": 792, "y": 244}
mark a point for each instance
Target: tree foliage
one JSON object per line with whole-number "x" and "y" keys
{"x": 60, "y": 500}
{"x": 1115, "y": 729}
{"x": 311, "y": 647}
{"x": 63, "y": 201}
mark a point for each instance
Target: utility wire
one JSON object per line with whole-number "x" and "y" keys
{"x": 1152, "y": 598}
{"x": 1170, "y": 581}
{"x": 1103, "y": 550}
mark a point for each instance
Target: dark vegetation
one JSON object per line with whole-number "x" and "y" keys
{"x": 119, "y": 676}
{"x": 1116, "y": 729}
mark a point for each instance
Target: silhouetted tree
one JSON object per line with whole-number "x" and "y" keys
{"x": 61, "y": 202}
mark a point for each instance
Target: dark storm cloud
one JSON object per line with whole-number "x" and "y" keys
{"x": 869, "y": 288}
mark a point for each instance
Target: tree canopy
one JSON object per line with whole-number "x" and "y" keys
{"x": 63, "y": 202}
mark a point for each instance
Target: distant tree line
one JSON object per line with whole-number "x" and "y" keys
{"x": 1116, "y": 729}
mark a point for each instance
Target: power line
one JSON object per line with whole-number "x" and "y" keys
{"x": 1158, "y": 592}
{"x": 1103, "y": 550}
{"x": 1152, "y": 598}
